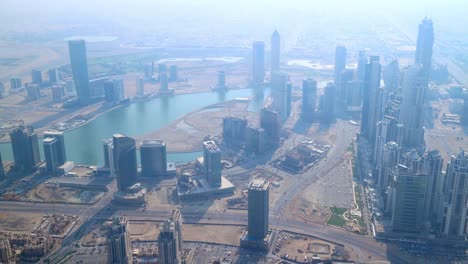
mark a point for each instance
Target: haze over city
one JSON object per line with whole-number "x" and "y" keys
{"x": 233, "y": 131}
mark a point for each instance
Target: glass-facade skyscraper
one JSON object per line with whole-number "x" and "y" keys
{"x": 79, "y": 66}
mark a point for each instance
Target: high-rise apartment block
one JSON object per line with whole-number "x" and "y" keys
{"x": 212, "y": 163}
{"x": 36, "y": 76}
{"x": 408, "y": 201}
{"x": 119, "y": 247}
{"x": 25, "y": 147}
{"x": 455, "y": 208}
{"x": 257, "y": 215}
{"x": 309, "y": 99}
{"x": 412, "y": 106}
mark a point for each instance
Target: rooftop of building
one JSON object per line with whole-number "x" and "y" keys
{"x": 152, "y": 143}
{"x": 259, "y": 184}
{"x": 49, "y": 140}
{"x": 53, "y": 133}
{"x": 211, "y": 146}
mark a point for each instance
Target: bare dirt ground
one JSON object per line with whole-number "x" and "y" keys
{"x": 186, "y": 134}
{"x": 144, "y": 230}
{"x": 213, "y": 233}
{"x": 302, "y": 248}
{"x": 97, "y": 236}
{"x": 447, "y": 138}
{"x": 49, "y": 193}
{"x": 19, "y": 222}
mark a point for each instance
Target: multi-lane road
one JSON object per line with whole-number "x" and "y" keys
{"x": 88, "y": 215}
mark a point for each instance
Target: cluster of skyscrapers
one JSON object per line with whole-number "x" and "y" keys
{"x": 25, "y": 145}
{"x": 120, "y": 157}
{"x": 170, "y": 240}
{"x": 418, "y": 196}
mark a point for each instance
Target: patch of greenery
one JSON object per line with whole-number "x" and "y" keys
{"x": 336, "y": 219}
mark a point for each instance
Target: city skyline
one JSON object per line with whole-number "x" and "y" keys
{"x": 283, "y": 143}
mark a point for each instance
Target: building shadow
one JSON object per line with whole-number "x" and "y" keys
{"x": 302, "y": 127}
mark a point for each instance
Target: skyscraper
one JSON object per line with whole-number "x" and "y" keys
{"x": 234, "y": 129}
{"x": 140, "y": 84}
{"x": 340, "y": 63}
{"x": 387, "y": 164}
{"x": 354, "y": 95}
{"x": 59, "y": 136}
{"x": 370, "y": 109}
{"x": 108, "y": 150}
{"x": 327, "y": 102}
{"x": 271, "y": 124}
{"x": 408, "y": 201}
{"x": 114, "y": 90}
{"x": 170, "y": 242}
{"x": 119, "y": 247}
{"x": 153, "y": 158}
{"x": 2, "y": 171}
{"x": 309, "y": 99}
{"x": 51, "y": 149}
{"x": 162, "y": 69}
{"x": 15, "y": 83}
{"x": 168, "y": 248}
{"x": 125, "y": 160}
{"x": 36, "y": 76}
{"x": 412, "y": 106}
{"x": 361, "y": 67}
{"x": 79, "y": 65}
{"x": 5, "y": 251}
{"x": 164, "y": 82}
{"x": 434, "y": 193}
{"x": 173, "y": 73}
{"x": 53, "y": 75}
{"x": 25, "y": 148}
{"x": 281, "y": 93}
{"x": 254, "y": 140}
{"x": 258, "y": 63}
{"x": 388, "y": 129}
{"x": 424, "y": 45}
{"x": 275, "y": 52}
{"x": 221, "y": 79}
{"x": 257, "y": 214}
{"x": 391, "y": 76}
{"x": 212, "y": 163}
{"x": 455, "y": 211}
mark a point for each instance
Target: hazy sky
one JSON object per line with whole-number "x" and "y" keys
{"x": 133, "y": 19}
{"x": 41, "y": 10}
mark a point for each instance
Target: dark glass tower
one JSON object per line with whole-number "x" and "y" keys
{"x": 258, "y": 207}
{"x": 51, "y": 149}
{"x": 61, "y": 155}
{"x": 79, "y": 65}
{"x": 125, "y": 160}
{"x": 153, "y": 158}
{"x": 25, "y": 148}
{"x": 424, "y": 46}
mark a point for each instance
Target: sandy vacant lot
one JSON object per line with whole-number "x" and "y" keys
{"x": 213, "y": 233}
{"x": 19, "y": 222}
